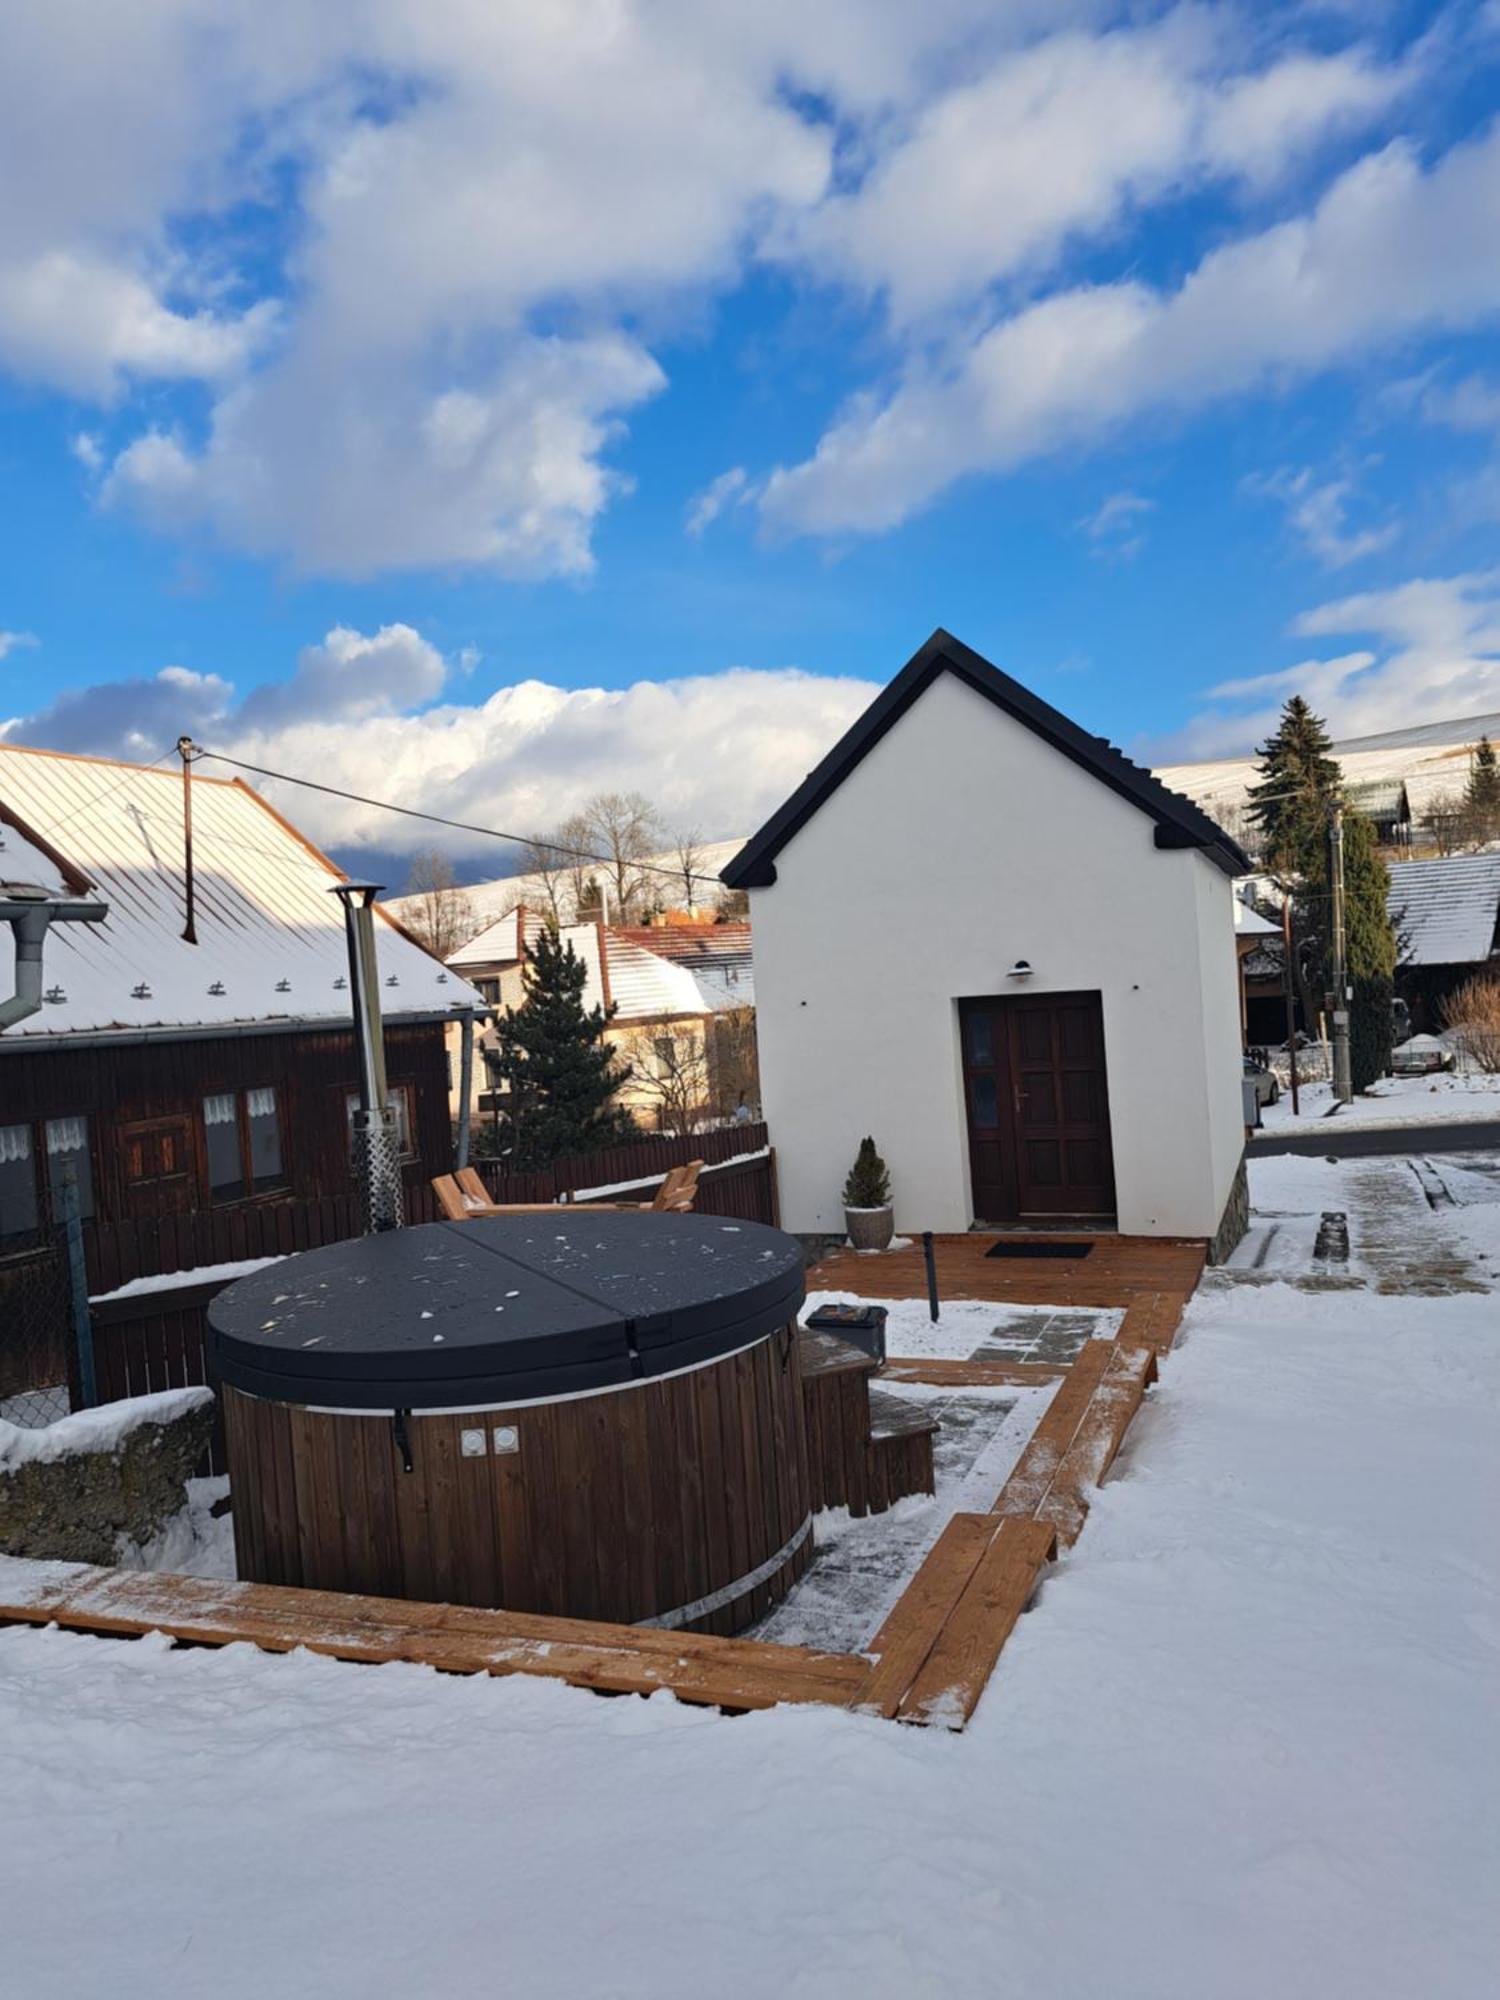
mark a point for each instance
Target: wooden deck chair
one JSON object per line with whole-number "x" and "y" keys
{"x": 679, "y": 1190}
{"x": 455, "y": 1204}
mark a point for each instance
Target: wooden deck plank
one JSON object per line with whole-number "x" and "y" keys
{"x": 731, "y": 1673}
{"x": 1097, "y": 1439}
{"x": 1033, "y": 1473}
{"x": 943, "y": 1373}
{"x": 923, "y": 1608}
{"x": 957, "y": 1669}
{"x": 1117, "y": 1271}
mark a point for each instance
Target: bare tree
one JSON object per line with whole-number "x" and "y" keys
{"x": 1472, "y": 1017}
{"x": 440, "y": 917}
{"x": 565, "y": 875}
{"x": 733, "y": 906}
{"x": 669, "y": 1071}
{"x": 623, "y": 830}
{"x": 687, "y": 846}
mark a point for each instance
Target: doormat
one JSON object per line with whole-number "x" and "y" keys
{"x": 1010, "y": 1246}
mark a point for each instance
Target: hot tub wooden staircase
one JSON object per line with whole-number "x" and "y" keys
{"x": 854, "y": 1461}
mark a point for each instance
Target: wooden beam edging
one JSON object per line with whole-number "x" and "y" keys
{"x": 617, "y": 1659}
{"x": 1081, "y": 1431}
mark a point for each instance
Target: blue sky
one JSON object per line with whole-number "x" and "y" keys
{"x": 387, "y": 393}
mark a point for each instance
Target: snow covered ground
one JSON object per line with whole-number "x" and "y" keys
{"x": 1394, "y": 1101}
{"x": 1244, "y": 1745}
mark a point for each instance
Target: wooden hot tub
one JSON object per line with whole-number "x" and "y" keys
{"x": 590, "y": 1415}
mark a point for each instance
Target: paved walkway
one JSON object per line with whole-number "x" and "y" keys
{"x": 1397, "y": 1216}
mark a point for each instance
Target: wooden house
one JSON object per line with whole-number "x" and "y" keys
{"x": 216, "y": 1072}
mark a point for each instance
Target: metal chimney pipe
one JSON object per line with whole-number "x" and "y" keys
{"x": 377, "y": 1155}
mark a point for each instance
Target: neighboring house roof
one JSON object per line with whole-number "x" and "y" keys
{"x": 489, "y": 902}
{"x": 270, "y": 948}
{"x": 645, "y": 973}
{"x": 497, "y": 943}
{"x": 1248, "y": 922}
{"x": 1381, "y": 799}
{"x": 1447, "y": 911}
{"x": 717, "y": 955}
{"x": 1179, "y": 823}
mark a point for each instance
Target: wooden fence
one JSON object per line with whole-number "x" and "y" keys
{"x": 154, "y": 1338}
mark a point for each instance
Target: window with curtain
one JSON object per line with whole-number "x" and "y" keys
{"x": 19, "y": 1214}
{"x": 242, "y": 1134}
{"x": 264, "y": 1131}
{"x": 67, "y": 1141}
{"x": 221, "y": 1125}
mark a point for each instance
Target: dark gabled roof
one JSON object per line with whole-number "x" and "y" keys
{"x": 1179, "y": 823}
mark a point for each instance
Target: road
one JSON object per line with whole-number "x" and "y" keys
{"x": 1325, "y": 1138}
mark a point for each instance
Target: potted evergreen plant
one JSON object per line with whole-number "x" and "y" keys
{"x": 867, "y": 1200}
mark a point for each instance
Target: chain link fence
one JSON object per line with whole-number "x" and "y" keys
{"x": 36, "y": 1334}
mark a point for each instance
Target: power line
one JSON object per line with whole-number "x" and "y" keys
{"x": 464, "y": 825}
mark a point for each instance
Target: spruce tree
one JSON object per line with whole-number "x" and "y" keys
{"x": 1298, "y": 782}
{"x": 561, "y": 1072}
{"x": 1482, "y": 793}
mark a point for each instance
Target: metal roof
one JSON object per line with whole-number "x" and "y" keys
{"x": 270, "y": 944}
{"x": 1447, "y": 911}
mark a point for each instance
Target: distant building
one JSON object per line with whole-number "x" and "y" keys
{"x": 683, "y": 996}
{"x": 176, "y": 1076}
{"x": 1446, "y": 913}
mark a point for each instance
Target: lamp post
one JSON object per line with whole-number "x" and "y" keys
{"x": 377, "y": 1155}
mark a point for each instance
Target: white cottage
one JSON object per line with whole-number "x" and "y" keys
{"x": 1007, "y": 952}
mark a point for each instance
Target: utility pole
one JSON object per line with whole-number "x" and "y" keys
{"x": 1287, "y": 989}
{"x": 1343, "y": 1087}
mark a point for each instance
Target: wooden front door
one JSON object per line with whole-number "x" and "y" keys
{"x": 1038, "y": 1107}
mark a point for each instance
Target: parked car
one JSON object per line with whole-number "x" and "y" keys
{"x": 1422, "y": 1055}
{"x": 1267, "y": 1089}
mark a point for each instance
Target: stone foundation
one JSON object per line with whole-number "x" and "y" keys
{"x": 1234, "y": 1221}
{"x": 69, "y": 1493}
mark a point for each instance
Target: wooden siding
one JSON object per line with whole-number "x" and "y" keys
{"x": 124, "y": 1084}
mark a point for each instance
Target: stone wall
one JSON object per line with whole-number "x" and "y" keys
{"x": 72, "y": 1491}
{"x": 1234, "y": 1221}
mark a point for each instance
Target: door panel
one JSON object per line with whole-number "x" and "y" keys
{"x": 1038, "y": 1106}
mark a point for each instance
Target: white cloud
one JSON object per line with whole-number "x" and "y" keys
{"x": 1317, "y": 511}
{"x": 1391, "y": 250}
{"x": 1115, "y": 526}
{"x": 363, "y": 712}
{"x": 1057, "y": 141}
{"x": 9, "y": 641}
{"x": 1433, "y": 655}
{"x": 421, "y": 259}
{"x": 730, "y": 489}
{"x": 506, "y": 473}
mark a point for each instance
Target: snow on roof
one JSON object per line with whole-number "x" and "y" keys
{"x": 496, "y": 943}
{"x": 270, "y": 937}
{"x": 22, "y": 862}
{"x": 1248, "y": 922}
{"x": 1430, "y": 761}
{"x": 648, "y": 972}
{"x": 1446, "y": 911}
{"x": 717, "y": 955}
